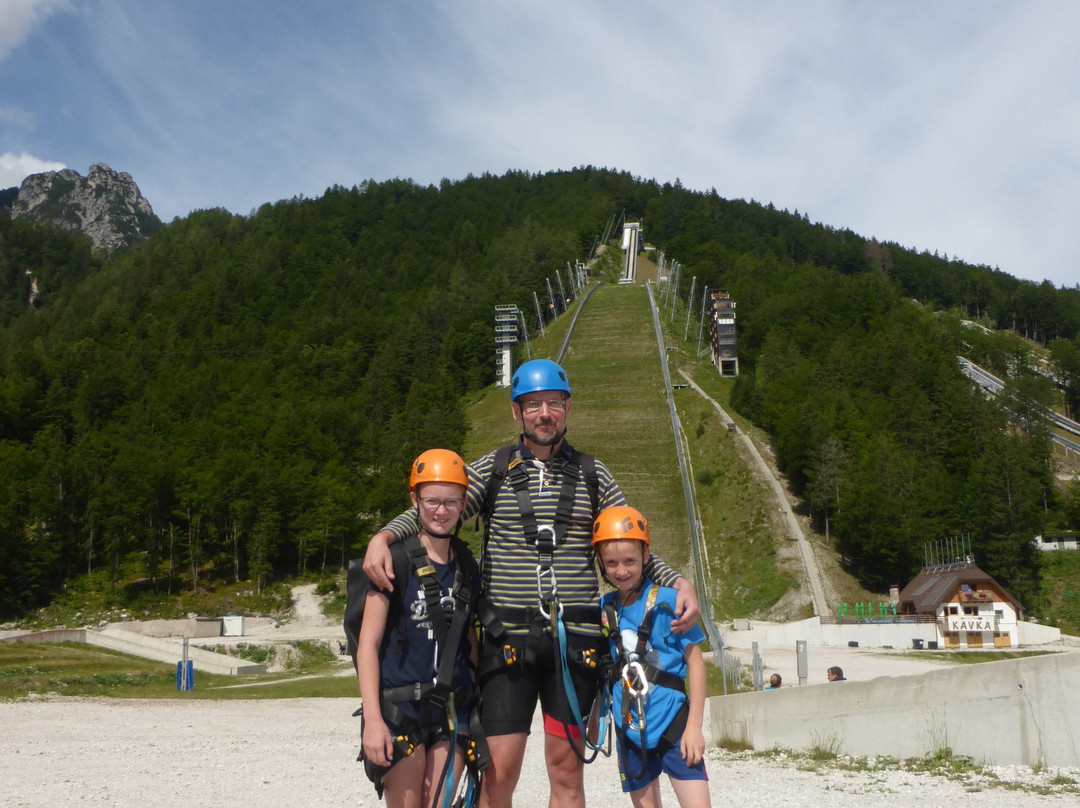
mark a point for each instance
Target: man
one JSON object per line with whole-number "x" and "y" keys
{"x": 835, "y": 674}
{"x": 537, "y": 566}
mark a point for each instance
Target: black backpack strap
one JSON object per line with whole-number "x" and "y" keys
{"x": 357, "y": 586}
{"x": 654, "y": 674}
{"x": 592, "y": 479}
{"x": 499, "y": 467}
{"x": 495, "y": 481}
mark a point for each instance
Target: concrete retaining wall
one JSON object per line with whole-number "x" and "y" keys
{"x": 160, "y": 650}
{"x": 1014, "y": 712}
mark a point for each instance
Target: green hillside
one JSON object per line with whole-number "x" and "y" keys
{"x": 235, "y": 402}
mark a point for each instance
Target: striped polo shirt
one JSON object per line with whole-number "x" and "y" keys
{"x": 509, "y": 561}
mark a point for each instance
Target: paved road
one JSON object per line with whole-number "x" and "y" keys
{"x": 813, "y": 575}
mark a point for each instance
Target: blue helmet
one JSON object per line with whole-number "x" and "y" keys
{"x": 538, "y": 375}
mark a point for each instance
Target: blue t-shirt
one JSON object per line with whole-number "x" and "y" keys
{"x": 413, "y": 659}
{"x": 665, "y": 650}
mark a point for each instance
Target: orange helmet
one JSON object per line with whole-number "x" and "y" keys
{"x": 620, "y": 522}
{"x": 438, "y": 466}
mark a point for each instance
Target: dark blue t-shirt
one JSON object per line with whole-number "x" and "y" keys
{"x": 414, "y": 658}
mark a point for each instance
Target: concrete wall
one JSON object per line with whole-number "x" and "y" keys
{"x": 160, "y": 650}
{"x": 171, "y": 651}
{"x": 1035, "y": 634}
{"x": 1014, "y": 712}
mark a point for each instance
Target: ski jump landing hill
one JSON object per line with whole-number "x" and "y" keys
{"x": 1020, "y": 712}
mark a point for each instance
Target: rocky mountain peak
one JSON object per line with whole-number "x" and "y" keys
{"x": 106, "y": 205}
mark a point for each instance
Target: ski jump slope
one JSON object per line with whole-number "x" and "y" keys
{"x": 633, "y": 427}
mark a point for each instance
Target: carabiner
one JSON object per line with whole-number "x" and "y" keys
{"x": 550, "y": 572}
{"x": 638, "y": 678}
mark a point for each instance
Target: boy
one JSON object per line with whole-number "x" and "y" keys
{"x": 658, "y": 728}
{"x": 407, "y": 731}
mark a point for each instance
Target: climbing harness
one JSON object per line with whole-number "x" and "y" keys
{"x": 637, "y": 677}
{"x": 549, "y": 613}
{"x": 438, "y": 695}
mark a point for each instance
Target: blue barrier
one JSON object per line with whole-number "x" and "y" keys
{"x": 185, "y": 675}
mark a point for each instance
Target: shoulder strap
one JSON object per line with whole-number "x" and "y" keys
{"x": 425, "y": 574}
{"x": 592, "y": 479}
{"x": 401, "y": 554}
{"x": 495, "y": 481}
{"x": 498, "y": 473}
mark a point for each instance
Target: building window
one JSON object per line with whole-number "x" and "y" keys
{"x": 954, "y": 610}
{"x": 971, "y": 610}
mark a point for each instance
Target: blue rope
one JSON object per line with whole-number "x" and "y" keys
{"x": 571, "y": 694}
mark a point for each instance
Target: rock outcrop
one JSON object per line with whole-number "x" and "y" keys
{"x": 106, "y": 205}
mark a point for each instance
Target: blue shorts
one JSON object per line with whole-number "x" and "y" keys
{"x": 670, "y": 763}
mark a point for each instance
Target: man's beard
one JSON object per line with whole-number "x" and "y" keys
{"x": 548, "y": 441}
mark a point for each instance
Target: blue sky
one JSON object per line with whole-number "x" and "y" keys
{"x": 946, "y": 126}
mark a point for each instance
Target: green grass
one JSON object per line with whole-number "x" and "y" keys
{"x": 1061, "y": 590}
{"x": 620, "y": 412}
{"x": 824, "y": 755}
{"x": 75, "y": 669}
{"x": 90, "y": 599}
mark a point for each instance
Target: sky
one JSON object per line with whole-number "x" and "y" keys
{"x": 951, "y": 127}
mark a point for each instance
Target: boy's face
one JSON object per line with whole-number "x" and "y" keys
{"x": 624, "y": 562}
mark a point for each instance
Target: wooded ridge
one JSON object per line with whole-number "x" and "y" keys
{"x": 220, "y": 402}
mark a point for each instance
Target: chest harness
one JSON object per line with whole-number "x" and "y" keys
{"x": 436, "y": 697}
{"x": 550, "y": 614}
{"x": 637, "y": 676}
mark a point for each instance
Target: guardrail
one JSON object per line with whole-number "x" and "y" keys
{"x": 715, "y": 639}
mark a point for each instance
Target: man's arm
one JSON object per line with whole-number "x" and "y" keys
{"x": 687, "y": 609}
{"x": 379, "y": 566}
{"x": 692, "y": 744}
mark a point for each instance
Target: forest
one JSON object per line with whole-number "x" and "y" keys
{"x": 238, "y": 397}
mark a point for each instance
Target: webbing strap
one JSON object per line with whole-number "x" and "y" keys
{"x": 571, "y": 697}
{"x": 564, "y": 511}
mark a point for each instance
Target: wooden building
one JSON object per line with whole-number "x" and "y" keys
{"x": 970, "y": 608}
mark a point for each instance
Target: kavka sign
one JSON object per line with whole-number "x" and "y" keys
{"x": 968, "y": 623}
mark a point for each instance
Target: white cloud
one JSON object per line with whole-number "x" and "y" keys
{"x": 18, "y": 17}
{"x": 14, "y": 168}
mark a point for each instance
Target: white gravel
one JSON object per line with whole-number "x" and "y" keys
{"x": 302, "y": 752}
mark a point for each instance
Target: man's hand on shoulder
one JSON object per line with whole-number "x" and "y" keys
{"x": 687, "y": 610}
{"x": 378, "y": 563}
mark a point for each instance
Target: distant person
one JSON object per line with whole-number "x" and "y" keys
{"x": 657, "y": 716}
{"x": 835, "y": 674}
{"x": 774, "y": 682}
{"x": 417, "y": 645}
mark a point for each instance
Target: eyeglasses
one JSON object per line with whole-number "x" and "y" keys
{"x": 553, "y": 404}
{"x": 432, "y": 504}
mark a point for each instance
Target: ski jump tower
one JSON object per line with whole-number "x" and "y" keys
{"x": 631, "y": 244}
{"x": 509, "y": 330}
{"x": 725, "y": 353}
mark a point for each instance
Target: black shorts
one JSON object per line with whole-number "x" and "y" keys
{"x": 508, "y": 693}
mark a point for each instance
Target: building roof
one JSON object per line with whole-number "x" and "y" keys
{"x": 936, "y": 585}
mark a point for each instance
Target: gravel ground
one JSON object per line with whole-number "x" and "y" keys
{"x": 301, "y": 752}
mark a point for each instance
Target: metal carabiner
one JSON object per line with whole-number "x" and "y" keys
{"x": 637, "y": 687}
{"x": 638, "y": 678}
{"x": 550, "y": 572}
{"x": 554, "y": 594}
{"x": 546, "y": 529}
